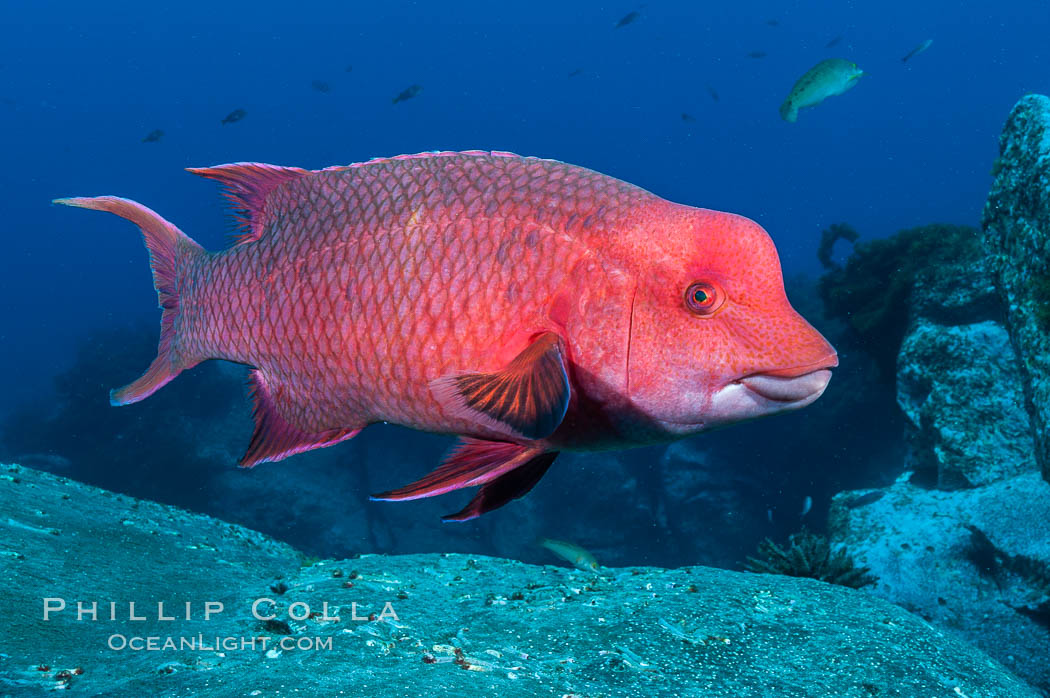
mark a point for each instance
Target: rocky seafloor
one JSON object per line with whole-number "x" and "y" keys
{"x": 963, "y": 537}
{"x": 465, "y": 626}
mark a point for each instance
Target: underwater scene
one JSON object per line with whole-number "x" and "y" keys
{"x": 525, "y": 349}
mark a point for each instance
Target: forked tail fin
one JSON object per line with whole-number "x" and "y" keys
{"x": 169, "y": 251}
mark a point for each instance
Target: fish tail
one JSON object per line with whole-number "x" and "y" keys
{"x": 170, "y": 251}
{"x": 789, "y": 112}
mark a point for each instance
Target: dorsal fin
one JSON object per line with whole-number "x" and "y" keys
{"x": 246, "y": 185}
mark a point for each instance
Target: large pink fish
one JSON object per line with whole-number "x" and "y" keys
{"x": 527, "y": 305}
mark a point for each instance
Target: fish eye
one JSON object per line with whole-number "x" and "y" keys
{"x": 703, "y": 298}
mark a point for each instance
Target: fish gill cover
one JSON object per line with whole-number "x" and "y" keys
{"x": 938, "y": 403}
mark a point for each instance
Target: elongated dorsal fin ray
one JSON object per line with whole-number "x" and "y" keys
{"x": 247, "y": 185}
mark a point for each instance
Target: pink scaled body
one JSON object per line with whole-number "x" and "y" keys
{"x": 526, "y": 304}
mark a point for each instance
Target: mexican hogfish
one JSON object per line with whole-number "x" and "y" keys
{"x": 527, "y": 305}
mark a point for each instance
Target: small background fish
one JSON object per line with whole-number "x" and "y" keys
{"x": 917, "y": 50}
{"x": 628, "y": 18}
{"x": 408, "y": 93}
{"x": 571, "y": 553}
{"x": 234, "y": 116}
{"x": 828, "y": 78}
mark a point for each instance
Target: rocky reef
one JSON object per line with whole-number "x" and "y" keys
{"x": 437, "y": 624}
{"x": 873, "y": 291}
{"x": 963, "y": 537}
{"x": 1017, "y": 233}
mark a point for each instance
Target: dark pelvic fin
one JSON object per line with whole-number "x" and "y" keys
{"x": 274, "y": 438}
{"x": 528, "y": 398}
{"x": 169, "y": 248}
{"x": 506, "y": 471}
{"x": 247, "y": 185}
{"x": 512, "y": 485}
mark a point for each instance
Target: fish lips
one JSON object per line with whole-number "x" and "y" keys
{"x": 769, "y": 392}
{"x": 798, "y": 384}
{"x": 759, "y": 395}
{"x": 805, "y": 388}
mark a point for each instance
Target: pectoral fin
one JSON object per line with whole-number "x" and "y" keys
{"x": 527, "y": 399}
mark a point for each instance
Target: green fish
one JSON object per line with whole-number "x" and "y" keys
{"x": 571, "y": 553}
{"x": 828, "y": 78}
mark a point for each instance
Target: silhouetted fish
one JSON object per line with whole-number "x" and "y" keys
{"x": 349, "y": 69}
{"x": 833, "y": 43}
{"x": 321, "y": 86}
{"x": 711, "y": 91}
{"x": 688, "y": 117}
{"x": 773, "y": 22}
{"x": 408, "y": 93}
{"x": 233, "y": 116}
{"x": 865, "y": 499}
{"x": 917, "y": 50}
{"x": 576, "y": 72}
{"x": 153, "y": 136}
{"x": 627, "y": 19}
{"x": 757, "y": 54}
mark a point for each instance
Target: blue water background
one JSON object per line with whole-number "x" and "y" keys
{"x": 82, "y": 83}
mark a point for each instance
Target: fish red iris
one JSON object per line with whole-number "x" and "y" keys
{"x": 703, "y": 298}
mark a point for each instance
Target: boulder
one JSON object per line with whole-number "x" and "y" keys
{"x": 959, "y": 380}
{"x": 1017, "y": 232}
{"x": 960, "y": 389}
{"x": 435, "y": 624}
{"x": 974, "y": 563}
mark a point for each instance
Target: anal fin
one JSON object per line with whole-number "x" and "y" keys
{"x": 275, "y": 438}
{"x": 505, "y": 471}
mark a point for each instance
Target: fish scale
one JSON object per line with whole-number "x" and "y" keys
{"x": 404, "y": 324}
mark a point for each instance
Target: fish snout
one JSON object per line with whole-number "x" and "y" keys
{"x": 794, "y": 384}
{"x": 769, "y": 392}
{"x": 794, "y": 389}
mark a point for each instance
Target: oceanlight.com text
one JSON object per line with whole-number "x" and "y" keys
{"x": 199, "y": 643}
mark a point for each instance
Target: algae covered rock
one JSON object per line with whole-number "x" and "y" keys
{"x": 963, "y": 540}
{"x": 920, "y": 544}
{"x": 960, "y": 388}
{"x": 435, "y": 625}
{"x": 874, "y": 292}
{"x": 924, "y": 304}
{"x": 1017, "y": 232}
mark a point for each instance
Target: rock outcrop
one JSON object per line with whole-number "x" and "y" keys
{"x": 464, "y": 625}
{"x": 963, "y": 538}
{"x": 1017, "y": 232}
{"x": 924, "y": 546}
{"x": 958, "y": 378}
